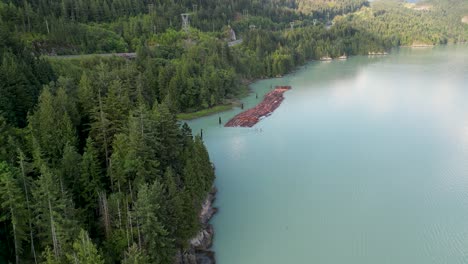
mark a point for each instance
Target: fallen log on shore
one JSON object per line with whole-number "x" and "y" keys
{"x": 252, "y": 116}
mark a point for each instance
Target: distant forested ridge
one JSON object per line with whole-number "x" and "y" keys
{"x": 100, "y": 26}
{"x": 431, "y": 22}
{"x": 94, "y": 165}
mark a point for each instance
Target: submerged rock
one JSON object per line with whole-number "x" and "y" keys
{"x": 206, "y": 257}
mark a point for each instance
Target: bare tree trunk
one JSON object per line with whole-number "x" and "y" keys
{"x": 109, "y": 171}
{"x": 29, "y": 22}
{"x": 141, "y": 125}
{"x": 139, "y": 234}
{"x": 126, "y": 232}
{"x": 24, "y": 24}
{"x": 26, "y": 9}
{"x": 104, "y": 129}
{"x": 75, "y": 258}
{"x": 131, "y": 199}
{"x": 13, "y": 223}
{"x": 104, "y": 208}
{"x": 131, "y": 192}
{"x": 119, "y": 213}
{"x": 62, "y": 189}
{"x": 120, "y": 219}
{"x": 47, "y": 26}
{"x": 129, "y": 215}
{"x": 23, "y": 174}
{"x": 53, "y": 232}
{"x": 138, "y": 222}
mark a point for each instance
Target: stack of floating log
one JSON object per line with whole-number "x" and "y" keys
{"x": 252, "y": 116}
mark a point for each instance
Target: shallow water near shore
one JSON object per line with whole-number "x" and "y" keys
{"x": 365, "y": 162}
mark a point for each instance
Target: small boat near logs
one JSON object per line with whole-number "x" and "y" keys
{"x": 326, "y": 58}
{"x": 343, "y": 57}
{"x": 380, "y": 53}
{"x": 269, "y": 104}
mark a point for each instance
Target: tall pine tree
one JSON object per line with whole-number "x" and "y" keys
{"x": 12, "y": 201}
{"x": 152, "y": 235}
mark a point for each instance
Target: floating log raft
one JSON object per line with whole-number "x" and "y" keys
{"x": 252, "y": 116}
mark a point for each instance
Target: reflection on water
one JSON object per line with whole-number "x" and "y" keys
{"x": 366, "y": 161}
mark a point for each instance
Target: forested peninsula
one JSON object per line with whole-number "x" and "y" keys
{"x": 95, "y": 166}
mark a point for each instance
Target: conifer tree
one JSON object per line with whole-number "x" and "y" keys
{"x": 101, "y": 126}
{"x": 12, "y": 201}
{"x": 54, "y": 225}
{"x": 168, "y": 132}
{"x": 144, "y": 144}
{"x": 24, "y": 169}
{"x": 206, "y": 169}
{"x": 191, "y": 199}
{"x": 120, "y": 163}
{"x": 49, "y": 257}
{"x": 51, "y": 128}
{"x": 116, "y": 105}
{"x": 90, "y": 177}
{"x": 70, "y": 171}
{"x": 84, "y": 251}
{"x": 86, "y": 93}
{"x": 186, "y": 135}
{"x": 135, "y": 256}
{"x": 153, "y": 236}
{"x": 173, "y": 206}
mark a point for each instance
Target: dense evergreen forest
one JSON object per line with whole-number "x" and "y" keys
{"x": 94, "y": 172}
{"x": 427, "y": 23}
{"x": 94, "y": 165}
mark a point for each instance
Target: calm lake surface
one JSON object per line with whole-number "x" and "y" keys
{"x": 365, "y": 162}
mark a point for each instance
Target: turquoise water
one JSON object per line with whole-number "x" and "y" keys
{"x": 365, "y": 162}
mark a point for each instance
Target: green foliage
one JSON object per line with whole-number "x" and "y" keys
{"x": 90, "y": 178}
{"x": 6, "y": 144}
{"x": 144, "y": 145}
{"x": 21, "y": 76}
{"x": 152, "y": 236}
{"x": 326, "y": 9}
{"x": 267, "y": 53}
{"x": 106, "y": 157}
{"x": 173, "y": 208}
{"x": 427, "y": 23}
{"x": 49, "y": 257}
{"x": 12, "y": 202}
{"x": 51, "y": 128}
{"x": 204, "y": 112}
{"x": 135, "y": 256}
{"x": 84, "y": 251}
{"x": 54, "y": 218}
{"x": 93, "y": 143}
{"x": 70, "y": 171}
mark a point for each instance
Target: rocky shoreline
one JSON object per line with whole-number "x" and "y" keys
{"x": 199, "y": 251}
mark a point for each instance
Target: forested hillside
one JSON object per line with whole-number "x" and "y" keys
{"x": 327, "y": 9}
{"x": 115, "y": 26}
{"x": 100, "y": 26}
{"x": 98, "y": 159}
{"x": 426, "y": 23}
{"x": 94, "y": 165}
